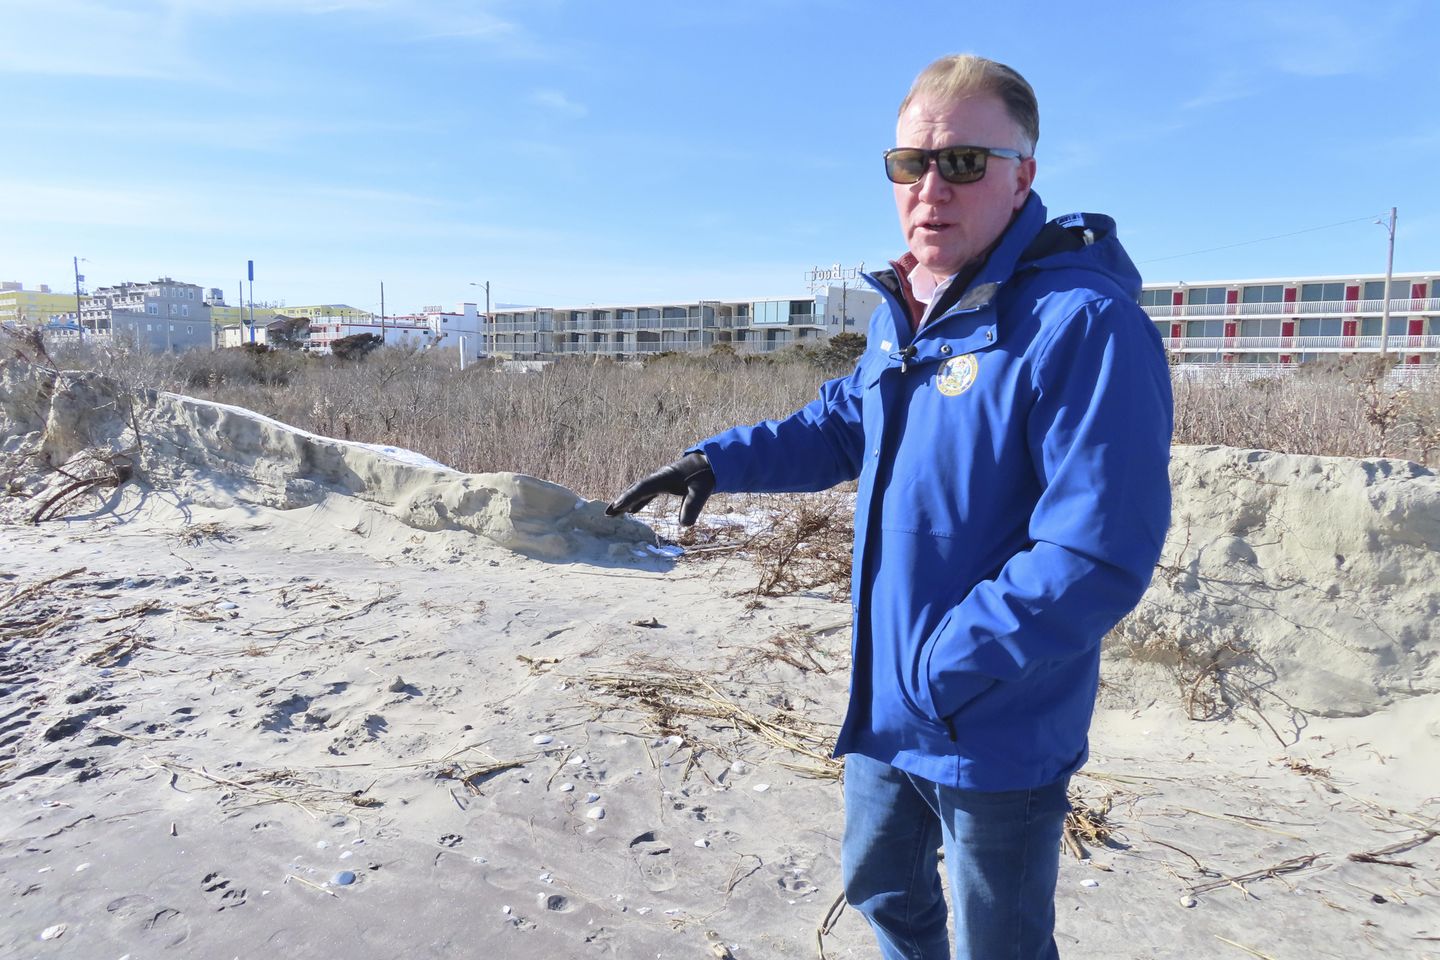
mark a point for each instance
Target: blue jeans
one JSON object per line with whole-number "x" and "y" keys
{"x": 1002, "y": 851}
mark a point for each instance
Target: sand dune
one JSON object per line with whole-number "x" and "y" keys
{"x": 292, "y": 695}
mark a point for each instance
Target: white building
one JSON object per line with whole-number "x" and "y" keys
{"x": 460, "y": 332}
{"x": 392, "y": 331}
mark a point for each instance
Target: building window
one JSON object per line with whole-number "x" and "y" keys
{"x": 1321, "y": 292}
{"x": 1373, "y": 290}
{"x": 1205, "y": 295}
{"x": 1268, "y": 293}
{"x": 185, "y": 310}
{"x": 1318, "y": 327}
{"x": 1156, "y": 298}
{"x": 1370, "y": 326}
{"x": 189, "y": 328}
{"x": 771, "y": 311}
{"x": 153, "y": 309}
{"x": 1260, "y": 328}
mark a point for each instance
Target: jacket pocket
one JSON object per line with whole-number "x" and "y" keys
{"x": 961, "y": 690}
{"x": 918, "y": 689}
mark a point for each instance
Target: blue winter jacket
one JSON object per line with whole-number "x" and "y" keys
{"x": 1013, "y": 496}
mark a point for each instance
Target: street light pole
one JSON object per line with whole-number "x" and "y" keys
{"x": 1389, "y": 271}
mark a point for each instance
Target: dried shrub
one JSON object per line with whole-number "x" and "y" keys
{"x": 1349, "y": 406}
{"x": 808, "y": 547}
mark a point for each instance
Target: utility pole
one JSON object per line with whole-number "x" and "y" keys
{"x": 80, "y": 324}
{"x": 486, "y": 322}
{"x": 1389, "y": 271}
{"x": 382, "y": 313}
{"x": 250, "y": 267}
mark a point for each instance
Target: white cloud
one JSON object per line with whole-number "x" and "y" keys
{"x": 88, "y": 38}
{"x": 557, "y": 102}
{"x": 1227, "y": 86}
{"x": 147, "y": 38}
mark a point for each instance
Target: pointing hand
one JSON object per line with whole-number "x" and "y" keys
{"x": 689, "y": 477}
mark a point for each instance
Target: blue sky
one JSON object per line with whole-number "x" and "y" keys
{"x": 572, "y": 152}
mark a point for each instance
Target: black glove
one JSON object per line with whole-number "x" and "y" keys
{"x": 689, "y": 477}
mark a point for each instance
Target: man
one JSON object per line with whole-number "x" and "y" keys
{"x": 1009, "y": 424}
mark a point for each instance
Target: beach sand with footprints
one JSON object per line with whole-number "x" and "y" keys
{"x": 296, "y": 697}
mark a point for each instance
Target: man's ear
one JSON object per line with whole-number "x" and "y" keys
{"x": 1024, "y": 178}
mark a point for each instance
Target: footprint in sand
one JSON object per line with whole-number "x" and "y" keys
{"x": 554, "y": 902}
{"x": 793, "y": 880}
{"x": 652, "y": 856}
{"x": 221, "y": 892}
{"x": 149, "y": 920}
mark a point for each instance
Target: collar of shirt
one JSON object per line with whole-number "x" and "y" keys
{"x": 928, "y": 288}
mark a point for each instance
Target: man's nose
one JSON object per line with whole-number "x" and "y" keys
{"x": 933, "y": 188}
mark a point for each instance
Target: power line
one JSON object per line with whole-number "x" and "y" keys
{"x": 1245, "y": 243}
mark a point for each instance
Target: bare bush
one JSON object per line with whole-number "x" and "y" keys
{"x": 596, "y": 425}
{"x": 1351, "y": 406}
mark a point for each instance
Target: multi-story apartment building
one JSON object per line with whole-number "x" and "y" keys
{"x": 635, "y": 330}
{"x": 33, "y": 307}
{"x": 1292, "y": 320}
{"x": 393, "y": 331}
{"x": 163, "y": 314}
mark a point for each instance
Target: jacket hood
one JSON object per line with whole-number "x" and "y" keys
{"x": 1089, "y": 242}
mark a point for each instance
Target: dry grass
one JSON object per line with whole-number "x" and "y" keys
{"x": 1345, "y": 407}
{"x": 595, "y": 425}
{"x": 694, "y": 706}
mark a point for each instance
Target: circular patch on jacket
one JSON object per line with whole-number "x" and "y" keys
{"x": 957, "y": 375}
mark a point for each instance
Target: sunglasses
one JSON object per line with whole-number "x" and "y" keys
{"x": 956, "y": 164}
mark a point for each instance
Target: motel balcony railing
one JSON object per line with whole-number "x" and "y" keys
{"x": 1328, "y": 308}
{"x": 612, "y": 348}
{"x": 672, "y": 323}
{"x": 1395, "y": 343}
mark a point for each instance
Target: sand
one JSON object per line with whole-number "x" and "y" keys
{"x": 220, "y": 698}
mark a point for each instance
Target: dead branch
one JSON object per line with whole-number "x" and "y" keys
{"x": 34, "y": 590}
{"x": 1265, "y": 873}
{"x": 1382, "y": 855}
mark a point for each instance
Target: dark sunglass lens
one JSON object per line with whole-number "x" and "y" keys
{"x": 961, "y": 166}
{"x": 905, "y": 166}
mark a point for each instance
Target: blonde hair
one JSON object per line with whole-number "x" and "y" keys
{"x": 963, "y": 74}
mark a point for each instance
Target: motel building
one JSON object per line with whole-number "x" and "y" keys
{"x": 1279, "y": 323}
{"x": 628, "y": 331}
